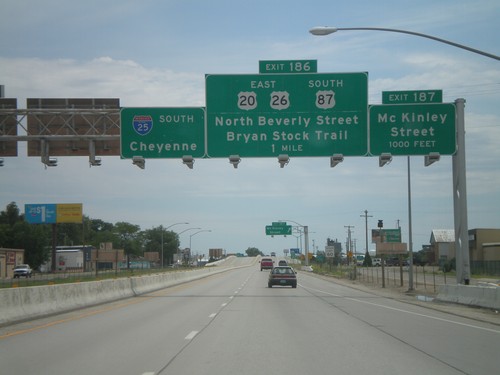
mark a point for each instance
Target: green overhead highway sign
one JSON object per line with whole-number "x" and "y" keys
{"x": 278, "y": 230}
{"x": 265, "y": 115}
{"x": 412, "y": 129}
{"x": 162, "y": 132}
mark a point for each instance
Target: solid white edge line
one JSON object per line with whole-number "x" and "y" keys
{"x": 406, "y": 311}
{"x": 191, "y": 335}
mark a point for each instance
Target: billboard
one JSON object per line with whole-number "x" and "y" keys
{"x": 53, "y": 213}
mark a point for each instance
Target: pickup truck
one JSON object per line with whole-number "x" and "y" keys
{"x": 266, "y": 263}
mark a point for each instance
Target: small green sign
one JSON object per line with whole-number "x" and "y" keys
{"x": 288, "y": 66}
{"x": 162, "y": 132}
{"x": 280, "y": 230}
{"x": 409, "y": 129}
{"x": 412, "y": 97}
{"x": 386, "y": 235}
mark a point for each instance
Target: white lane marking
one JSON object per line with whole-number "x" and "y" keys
{"x": 148, "y": 373}
{"x": 224, "y": 305}
{"x": 191, "y": 335}
{"x": 406, "y": 311}
{"x": 212, "y": 315}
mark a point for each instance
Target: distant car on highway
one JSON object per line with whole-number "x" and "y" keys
{"x": 266, "y": 264}
{"x": 282, "y": 262}
{"x": 23, "y": 270}
{"x": 282, "y": 276}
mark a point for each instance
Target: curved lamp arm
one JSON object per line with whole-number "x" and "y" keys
{"x": 326, "y": 30}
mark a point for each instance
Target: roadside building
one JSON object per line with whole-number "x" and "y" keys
{"x": 484, "y": 250}
{"x": 484, "y": 244}
{"x": 9, "y": 258}
{"x": 442, "y": 246}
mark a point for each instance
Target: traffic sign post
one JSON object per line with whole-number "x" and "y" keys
{"x": 162, "y": 132}
{"x": 296, "y": 114}
{"x": 408, "y": 129}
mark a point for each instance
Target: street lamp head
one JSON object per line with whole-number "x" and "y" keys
{"x": 322, "y": 30}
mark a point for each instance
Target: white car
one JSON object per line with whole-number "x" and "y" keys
{"x": 376, "y": 262}
{"x": 22, "y": 270}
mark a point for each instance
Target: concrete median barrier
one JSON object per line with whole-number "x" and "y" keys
{"x": 472, "y": 295}
{"x": 20, "y": 304}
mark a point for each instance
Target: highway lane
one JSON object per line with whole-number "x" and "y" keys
{"x": 232, "y": 323}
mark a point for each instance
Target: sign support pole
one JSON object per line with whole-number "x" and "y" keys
{"x": 306, "y": 239}
{"x": 54, "y": 252}
{"x": 410, "y": 239}
{"x": 460, "y": 200}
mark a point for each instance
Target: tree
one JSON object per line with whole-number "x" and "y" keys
{"x": 11, "y": 215}
{"x": 17, "y": 234}
{"x": 97, "y": 231}
{"x": 253, "y": 252}
{"x": 367, "y": 262}
{"x": 128, "y": 238}
{"x": 35, "y": 239}
{"x": 153, "y": 242}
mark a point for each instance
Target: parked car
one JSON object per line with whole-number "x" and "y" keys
{"x": 22, "y": 270}
{"x": 266, "y": 264}
{"x": 282, "y": 276}
{"x": 359, "y": 260}
{"x": 376, "y": 262}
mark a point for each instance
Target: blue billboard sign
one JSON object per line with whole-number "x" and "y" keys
{"x": 40, "y": 213}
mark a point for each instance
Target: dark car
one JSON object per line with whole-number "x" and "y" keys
{"x": 282, "y": 262}
{"x": 22, "y": 270}
{"x": 282, "y": 276}
{"x": 266, "y": 264}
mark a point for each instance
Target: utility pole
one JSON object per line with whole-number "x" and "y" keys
{"x": 349, "y": 243}
{"x": 366, "y": 216}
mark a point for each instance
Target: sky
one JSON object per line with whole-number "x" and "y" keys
{"x": 156, "y": 53}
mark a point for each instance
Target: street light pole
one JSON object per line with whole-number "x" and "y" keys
{"x": 185, "y": 230}
{"x": 306, "y": 239}
{"x": 162, "y": 230}
{"x": 327, "y": 30}
{"x": 458, "y": 159}
{"x": 194, "y": 234}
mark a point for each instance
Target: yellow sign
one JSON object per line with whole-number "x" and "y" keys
{"x": 69, "y": 213}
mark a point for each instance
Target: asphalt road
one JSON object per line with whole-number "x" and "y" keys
{"x": 232, "y": 323}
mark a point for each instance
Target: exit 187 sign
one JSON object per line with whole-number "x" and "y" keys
{"x": 413, "y": 129}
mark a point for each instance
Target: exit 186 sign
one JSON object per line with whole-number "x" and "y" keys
{"x": 409, "y": 129}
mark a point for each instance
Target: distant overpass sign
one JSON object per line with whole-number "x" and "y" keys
{"x": 278, "y": 229}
